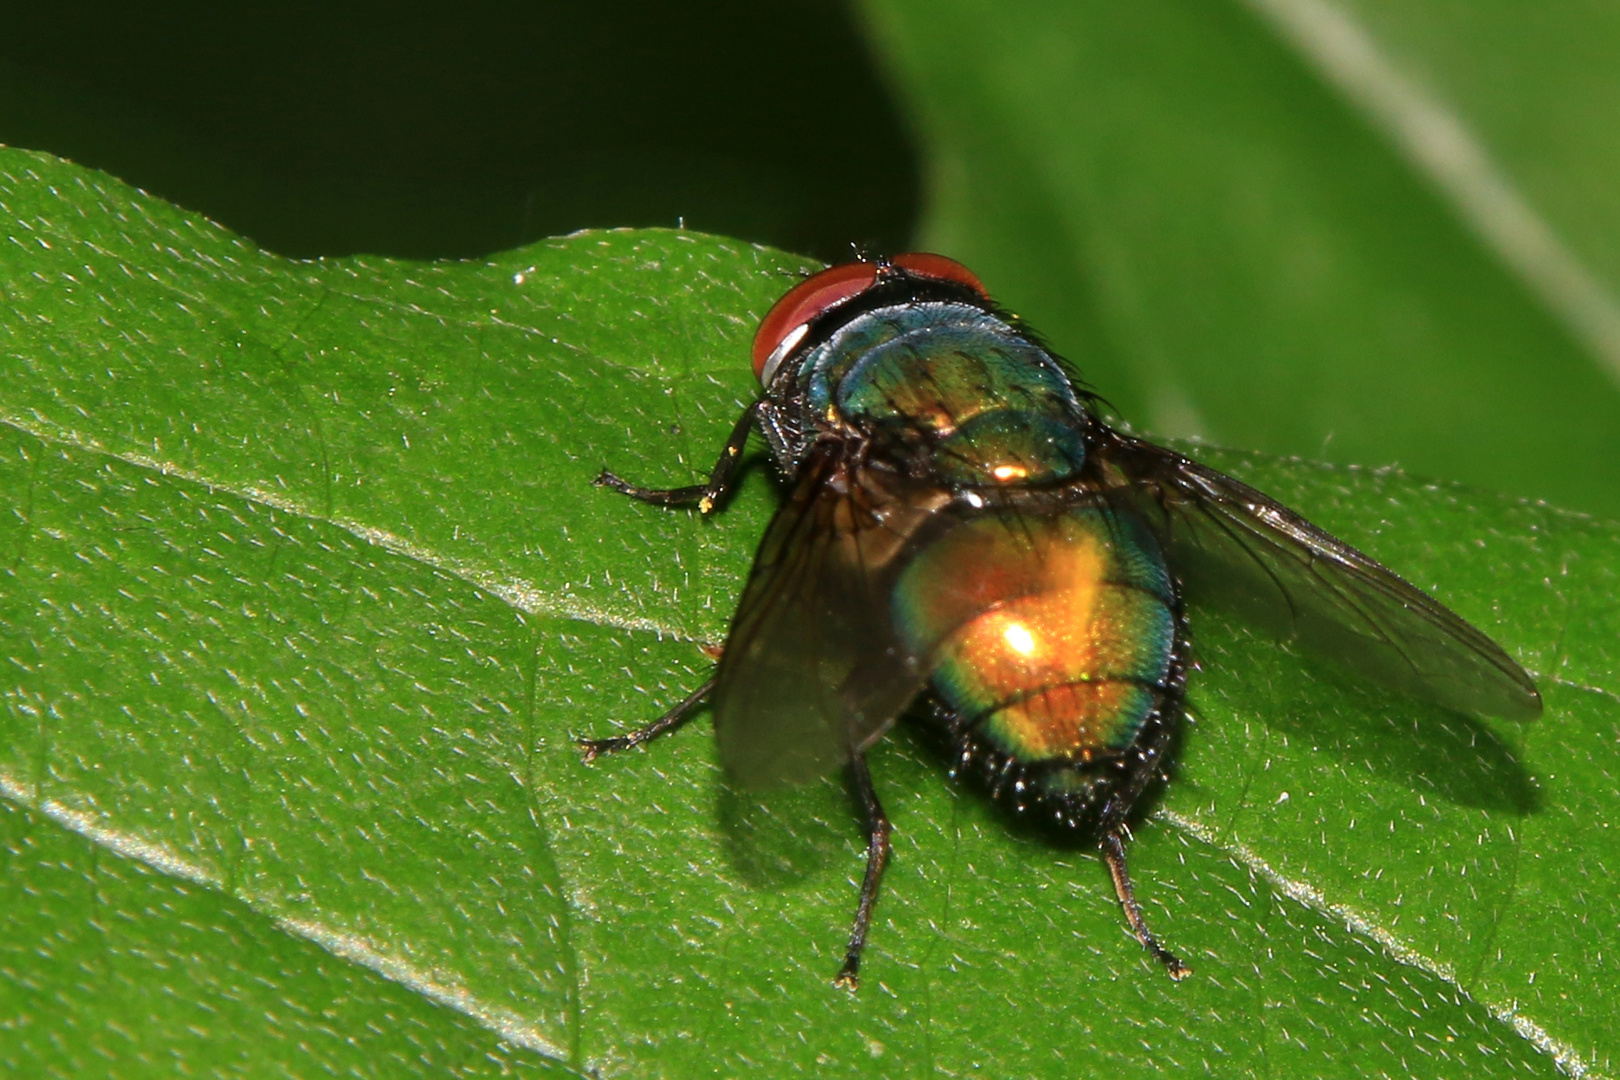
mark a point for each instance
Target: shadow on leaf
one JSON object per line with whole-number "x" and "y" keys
{"x": 787, "y": 835}
{"x": 1427, "y": 749}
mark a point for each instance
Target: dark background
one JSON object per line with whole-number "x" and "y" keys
{"x": 428, "y": 130}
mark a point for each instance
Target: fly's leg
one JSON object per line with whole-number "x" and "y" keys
{"x": 708, "y": 495}
{"x": 721, "y": 479}
{"x": 1113, "y": 849}
{"x": 674, "y": 718}
{"x": 1111, "y": 821}
{"x": 877, "y": 857}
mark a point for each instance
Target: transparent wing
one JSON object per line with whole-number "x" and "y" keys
{"x": 813, "y": 670}
{"x": 1238, "y": 549}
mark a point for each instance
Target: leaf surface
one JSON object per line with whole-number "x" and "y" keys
{"x": 306, "y": 594}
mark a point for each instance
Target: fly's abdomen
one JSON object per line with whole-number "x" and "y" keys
{"x": 1051, "y": 638}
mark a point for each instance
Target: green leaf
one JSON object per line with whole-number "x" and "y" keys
{"x": 307, "y": 592}
{"x": 1347, "y": 229}
{"x": 109, "y": 966}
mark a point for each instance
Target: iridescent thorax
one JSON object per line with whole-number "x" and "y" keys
{"x": 996, "y": 406}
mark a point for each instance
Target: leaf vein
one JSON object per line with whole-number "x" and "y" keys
{"x": 1360, "y": 923}
{"x": 507, "y": 1024}
{"x": 513, "y": 591}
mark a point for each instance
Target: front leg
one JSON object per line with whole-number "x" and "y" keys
{"x": 721, "y": 478}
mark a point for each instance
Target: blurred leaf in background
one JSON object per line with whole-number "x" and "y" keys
{"x": 1363, "y": 232}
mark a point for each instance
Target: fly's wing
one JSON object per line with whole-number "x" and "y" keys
{"x": 1239, "y": 549}
{"x": 813, "y": 670}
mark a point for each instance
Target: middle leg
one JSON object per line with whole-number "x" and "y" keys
{"x": 674, "y": 718}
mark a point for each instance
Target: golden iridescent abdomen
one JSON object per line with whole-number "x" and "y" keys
{"x": 1056, "y": 634}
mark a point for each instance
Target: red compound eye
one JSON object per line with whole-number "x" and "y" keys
{"x": 809, "y": 298}
{"x": 927, "y": 265}
{"x": 789, "y": 317}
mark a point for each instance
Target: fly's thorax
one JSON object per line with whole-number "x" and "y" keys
{"x": 989, "y": 405}
{"x": 1052, "y": 639}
